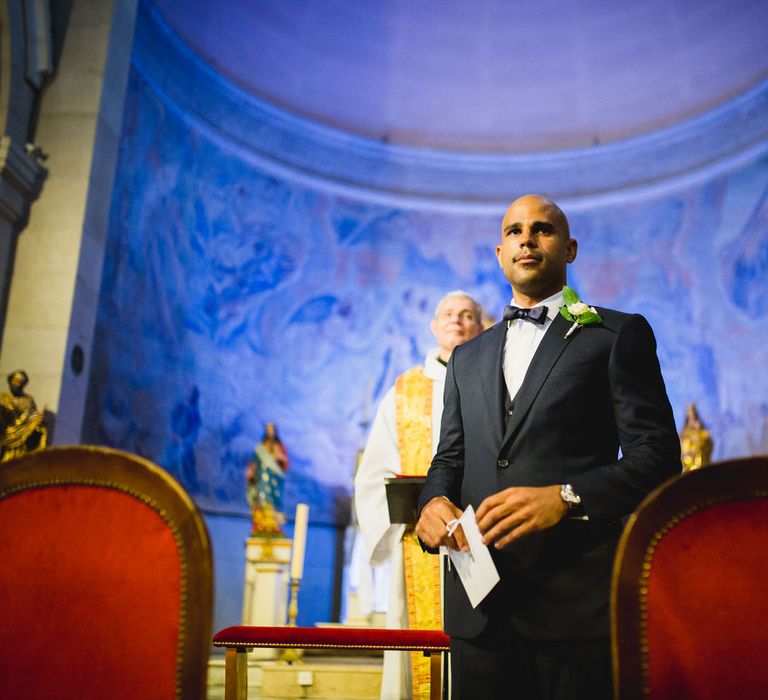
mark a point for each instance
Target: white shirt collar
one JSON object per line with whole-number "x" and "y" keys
{"x": 433, "y": 368}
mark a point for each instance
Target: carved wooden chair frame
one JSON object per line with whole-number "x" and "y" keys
{"x": 679, "y": 498}
{"x": 148, "y": 483}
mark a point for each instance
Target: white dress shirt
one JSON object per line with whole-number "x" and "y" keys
{"x": 523, "y": 338}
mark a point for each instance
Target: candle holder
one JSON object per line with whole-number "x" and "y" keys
{"x": 291, "y": 655}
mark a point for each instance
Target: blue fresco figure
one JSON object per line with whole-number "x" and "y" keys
{"x": 264, "y": 483}
{"x": 185, "y": 428}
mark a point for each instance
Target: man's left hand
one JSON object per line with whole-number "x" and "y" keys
{"x": 510, "y": 514}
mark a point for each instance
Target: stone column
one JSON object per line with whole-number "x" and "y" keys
{"x": 58, "y": 261}
{"x": 265, "y": 596}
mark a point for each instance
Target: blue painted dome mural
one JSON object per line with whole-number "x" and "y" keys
{"x": 265, "y": 265}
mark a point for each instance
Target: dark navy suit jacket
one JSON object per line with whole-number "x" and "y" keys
{"x": 582, "y": 399}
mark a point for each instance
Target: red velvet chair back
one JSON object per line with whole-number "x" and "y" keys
{"x": 105, "y": 579}
{"x": 690, "y": 588}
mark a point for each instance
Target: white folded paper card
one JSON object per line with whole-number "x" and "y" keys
{"x": 475, "y": 568}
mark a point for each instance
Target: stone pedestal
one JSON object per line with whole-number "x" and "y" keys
{"x": 265, "y": 598}
{"x": 343, "y": 678}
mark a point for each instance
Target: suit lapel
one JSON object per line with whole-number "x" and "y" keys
{"x": 493, "y": 379}
{"x": 547, "y": 354}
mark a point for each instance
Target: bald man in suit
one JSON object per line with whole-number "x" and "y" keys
{"x": 533, "y": 422}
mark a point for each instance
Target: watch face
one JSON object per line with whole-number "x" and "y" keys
{"x": 567, "y": 494}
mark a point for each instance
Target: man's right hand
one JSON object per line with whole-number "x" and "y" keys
{"x": 432, "y": 527}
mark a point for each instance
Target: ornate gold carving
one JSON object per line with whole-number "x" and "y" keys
{"x": 422, "y": 586}
{"x": 22, "y": 427}
{"x": 413, "y": 402}
{"x": 695, "y": 441}
{"x": 265, "y": 549}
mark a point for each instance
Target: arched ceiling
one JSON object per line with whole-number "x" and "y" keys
{"x": 484, "y": 75}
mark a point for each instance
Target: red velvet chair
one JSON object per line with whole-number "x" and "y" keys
{"x": 690, "y": 588}
{"x": 105, "y": 580}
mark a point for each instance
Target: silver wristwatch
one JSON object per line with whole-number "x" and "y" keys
{"x": 569, "y": 496}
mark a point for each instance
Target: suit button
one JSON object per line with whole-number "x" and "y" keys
{"x": 510, "y": 412}
{"x": 503, "y": 463}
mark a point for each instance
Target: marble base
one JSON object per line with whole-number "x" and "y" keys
{"x": 339, "y": 678}
{"x": 322, "y": 678}
{"x": 265, "y": 595}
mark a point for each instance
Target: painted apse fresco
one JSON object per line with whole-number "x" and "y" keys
{"x": 239, "y": 290}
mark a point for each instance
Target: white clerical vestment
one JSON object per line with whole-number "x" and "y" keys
{"x": 381, "y": 458}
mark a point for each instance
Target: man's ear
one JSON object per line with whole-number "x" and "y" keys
{"x": 433, "y": 327}
{"x": 498, "y": 255}
{"x": 572, "y": 250}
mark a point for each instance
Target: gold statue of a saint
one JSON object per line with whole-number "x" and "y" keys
{"x": 695, "y": 441}
{"x": 22, "y": 428}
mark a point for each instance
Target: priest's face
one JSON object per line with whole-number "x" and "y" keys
{"x": 455, "y": 323}
{"x": 535, "y": 248}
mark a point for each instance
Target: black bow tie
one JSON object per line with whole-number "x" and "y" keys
{"x": 538, "y": 314}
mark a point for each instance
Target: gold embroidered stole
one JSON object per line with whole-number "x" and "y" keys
{"x": 413, "y": 404}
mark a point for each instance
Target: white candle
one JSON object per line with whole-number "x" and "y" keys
{"x": 299, "y": 540}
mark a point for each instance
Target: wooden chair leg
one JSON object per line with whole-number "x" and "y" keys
{"x": 236, "y": 674}
{"x": 446, "y": 666}
{"x": 435, "y": 676}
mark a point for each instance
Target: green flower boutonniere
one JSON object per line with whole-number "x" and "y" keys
{"x": 577, "y": 312}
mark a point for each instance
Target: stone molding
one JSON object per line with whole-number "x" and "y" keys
{"x": 21, "y": 181}
{"x": 295, "y": 148}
